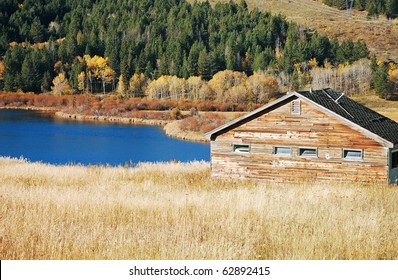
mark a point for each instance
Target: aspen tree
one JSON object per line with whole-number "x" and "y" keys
{"x": 194, "y": 84}
{"x": 61, "y": 85}
{"x": 81, "y": 78}
{"x": 137, "y": 85}
{"x": 121, "y": 89}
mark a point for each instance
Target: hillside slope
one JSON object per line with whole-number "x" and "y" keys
{"x": 380, "y": 35}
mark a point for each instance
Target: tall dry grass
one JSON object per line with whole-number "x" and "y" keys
{"x": 177, "y": 211}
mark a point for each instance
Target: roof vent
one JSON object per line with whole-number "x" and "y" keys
{"x": 338, "y": 99}
{"x": 337, "y": 102}
{"x": 310, "y": 90}
{"x": 379, "y": 119}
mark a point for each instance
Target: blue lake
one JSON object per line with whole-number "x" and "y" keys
{"x": 38, "y": 137}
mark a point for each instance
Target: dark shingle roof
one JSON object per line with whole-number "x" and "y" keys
{"x": 355, "y": 112}
{"x": 333, "y": 101}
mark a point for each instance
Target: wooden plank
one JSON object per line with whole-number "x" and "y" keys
{"x": 312, "y": 128}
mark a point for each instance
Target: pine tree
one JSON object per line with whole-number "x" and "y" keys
{"x": 392, "y": 8}
{"x": 345, "y": 53}
{"x": 360, "y": 50}
{"x": 295, "y": 80}
{"x": 380, "y": 81}
{"x": 360, "y": 4}
{"x": 46, "y": 81}
{"x": 12, "y": 68}
{"x": 3, "y": 42}
{"x": 77, "y": 67}
{"x": 320, "y": 48}
{"x": 192, "y": 61}
{"x": 373, "y": 63}
{"x": 112, "y": 51}
{"x": 230, "y": 54}
{"x": 204, "y": 65}
{"x": 126, "y": 66}
{"x": 262, "y": 59}
{"x": 185, "y": 68}
{"x": 37, "y": 31}
{"x": 31, "y": 78}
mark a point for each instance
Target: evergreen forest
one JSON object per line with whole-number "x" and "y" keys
{"x": 373, "y": 7}
{"x": 101, "y": 45}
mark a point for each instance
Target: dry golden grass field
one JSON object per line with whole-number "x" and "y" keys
{"x": 381, "y": 35}
{"x": 177, "y": 211}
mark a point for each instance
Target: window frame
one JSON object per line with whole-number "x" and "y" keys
{"x": 346, "y": 150}
{"x": 236, "y": 148}
{"x": 282, "y": 154}
{"x": 302, "y": 155}
{"x": 394, "y": 164}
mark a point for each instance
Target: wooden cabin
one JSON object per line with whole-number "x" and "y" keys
{"x": 317, "y": 134}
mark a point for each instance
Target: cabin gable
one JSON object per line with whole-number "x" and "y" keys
{"x": 296, "y": 139}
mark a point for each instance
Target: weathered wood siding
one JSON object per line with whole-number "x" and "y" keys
{"x": 312, "y": 128}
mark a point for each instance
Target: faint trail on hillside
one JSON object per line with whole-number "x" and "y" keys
{"x": 380, "y": 35}
{"x": 321, "y": 8}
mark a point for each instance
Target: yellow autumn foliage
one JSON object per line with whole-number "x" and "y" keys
{"x": 1, "y": 69}
{"x": 137, "y": 84}
{"x": 98, "y": 67}
{"x": 81, "y": 78}
{"x": 223, "y": 81}
{"x": 121, "y": 88}
{"x": 261, "y": 87}
{"x": 61, "y": 85}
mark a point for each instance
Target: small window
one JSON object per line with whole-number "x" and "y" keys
{"x": 295, "y": 107}
{"x": 394, "y": 159}
{"x": 283, "y": 151}
{"x": 352, "y": 154}
{"x": 241, "y": 148}
{"x": 308, "y": 152}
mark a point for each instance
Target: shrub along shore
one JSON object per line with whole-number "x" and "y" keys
{"x": 170, "y": 127}
{"x": 183, "y": 119}
{"x": 180, "y": 119}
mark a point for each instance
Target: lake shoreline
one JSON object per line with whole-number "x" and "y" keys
{"x": 170, "y": 127}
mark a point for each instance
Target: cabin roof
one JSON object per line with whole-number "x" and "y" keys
{"x": 346, "y": 109}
